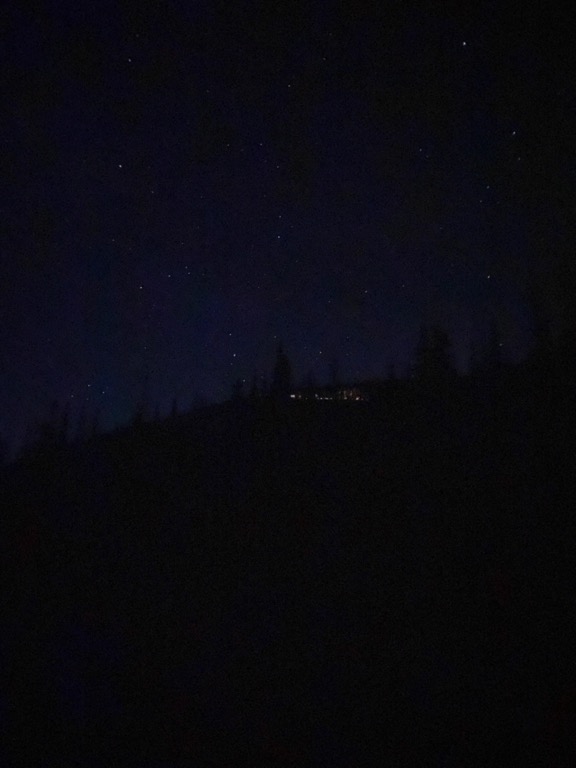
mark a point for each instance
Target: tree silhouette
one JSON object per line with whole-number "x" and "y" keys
{"x": 441, "y": 347}
{"x": 199, "y": 400}
{"x": 264, "y": 387}
{"x": 433, "y": 363}
{"x": 494, "y": 357}
{"x": 81, "y": 424}
{"x": 48, "y": 429}
{"x": 254, "y": 389}
{"x": 64, "y": 425}
{"x": 237, "y": 390}
{"x": 95, "y": 423}
{"x": 422, "y": 355}
{"x": 141, "y": 409}
{"x": 281, "y": 375}
{"x": 334, "y": 371}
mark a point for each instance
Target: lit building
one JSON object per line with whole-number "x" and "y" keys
{"x": 338, "y": 394}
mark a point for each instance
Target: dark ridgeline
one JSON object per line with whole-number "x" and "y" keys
{"x": 326, "y": 582}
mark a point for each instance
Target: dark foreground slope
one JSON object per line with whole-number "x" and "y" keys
{"x": 294, "y": 585}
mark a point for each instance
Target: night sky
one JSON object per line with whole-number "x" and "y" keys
{"x": 185, "y": 184}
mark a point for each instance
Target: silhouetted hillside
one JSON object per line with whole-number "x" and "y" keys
{"x": 297, "y": 583}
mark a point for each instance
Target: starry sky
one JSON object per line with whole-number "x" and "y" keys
{"x": 184, "y": 184}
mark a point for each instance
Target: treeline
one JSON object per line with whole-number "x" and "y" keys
{"x": 404, "y": 562}
{"x": 547, "y": 367}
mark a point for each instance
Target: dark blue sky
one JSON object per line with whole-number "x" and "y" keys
{"x": 184, "y": 184}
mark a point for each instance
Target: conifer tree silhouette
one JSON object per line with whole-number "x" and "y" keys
{"x": 237, "y": 390}
{"x": 309, "y": 381}
{"x": 64, "y": 425}
{"x": 95, "y": 423}
{"x": 433, "y": 363}
{"x": 494, "y": 356}
{"x": 281, "y": 375}
{"x": 334, "y": 371}
{"x": 81, "y": 424}
{"x": 422, "y": 362}
{"x": 254, "y": 390}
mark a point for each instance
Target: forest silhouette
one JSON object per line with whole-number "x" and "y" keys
{"x": 377, "y": 572}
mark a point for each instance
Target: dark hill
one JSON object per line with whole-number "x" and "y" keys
{"x": 259, "y": 583}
